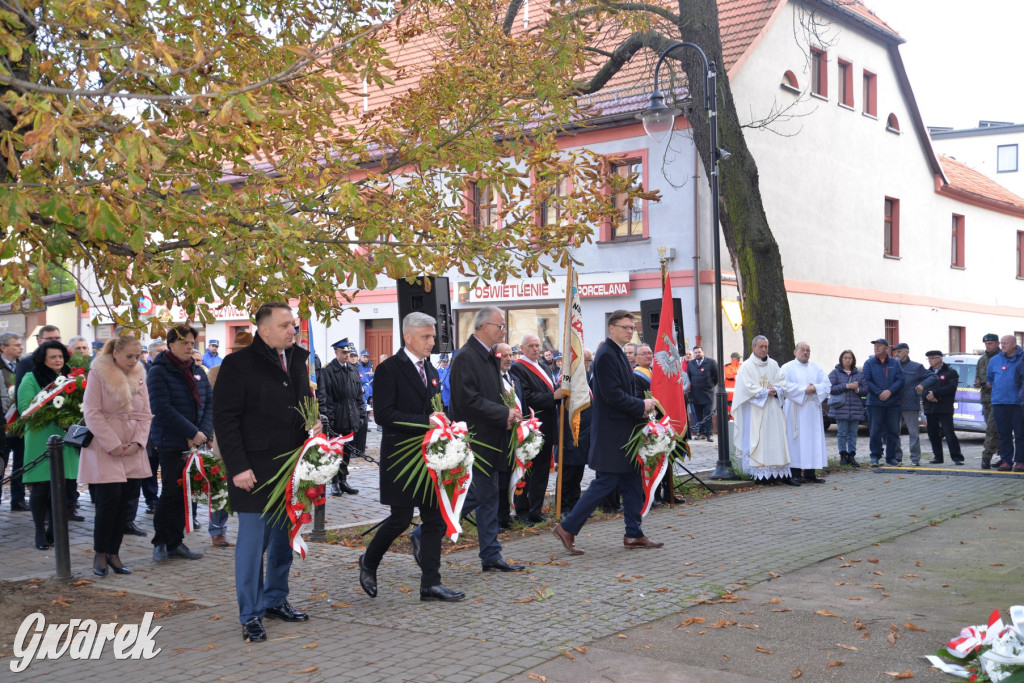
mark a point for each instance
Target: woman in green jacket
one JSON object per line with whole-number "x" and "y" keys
{"x": 49, "y": 360}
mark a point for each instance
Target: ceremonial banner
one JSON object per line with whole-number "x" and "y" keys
{"x": 574, "y": 371}
{"x": 667, "y": 372}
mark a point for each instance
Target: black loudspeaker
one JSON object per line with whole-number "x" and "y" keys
{"x": 650, "y": 312}
{"x": 436, "y": 303}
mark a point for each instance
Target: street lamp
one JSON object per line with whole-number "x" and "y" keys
{"x": 658, "y": 121}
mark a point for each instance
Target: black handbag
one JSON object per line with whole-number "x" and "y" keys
{"x": 78, "y": 436}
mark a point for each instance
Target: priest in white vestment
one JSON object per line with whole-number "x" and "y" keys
{"x": 807, "y": 386}
{"x": 760, "y": 422}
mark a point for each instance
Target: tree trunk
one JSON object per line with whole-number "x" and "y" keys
{"x": 748, "y": 237}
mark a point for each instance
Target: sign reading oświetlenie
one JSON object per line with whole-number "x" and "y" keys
{"x": 591, "y": 285}
{"x": 82, "y": 639}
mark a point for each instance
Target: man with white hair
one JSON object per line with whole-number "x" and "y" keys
{"x": 807, "y": 386}
{"x": 760, "y": 422}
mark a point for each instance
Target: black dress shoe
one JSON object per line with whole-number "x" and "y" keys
{"x": 253, "y": 631}
{"x": 183, "y": 552}
{"x": 285, "y": 612}
{"x": 130, "y": 528}
{"x": 75, "y": 517}
{"x": 503, "y": 566}
{"x": 958, "y": 462}
{"x": 537, "y": 519}
{"x": 345, "y": 488}
{"x": 150, "y": 508}
{"x": 19, "y": 506}
{"x": 441, "y": 593}
{"x": 41, "y": 543}
{"x": 813, "y": 479}
{"x": 414, "y": 536}
{"x": 791, "y": 481}
{"x": 367, "y": 578}
{"x": 935, "y": 461}
{"x": 335, "y": 489}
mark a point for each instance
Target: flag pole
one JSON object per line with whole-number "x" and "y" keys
{"x": 561, "y": 410}
{"x": 671, "y": 470}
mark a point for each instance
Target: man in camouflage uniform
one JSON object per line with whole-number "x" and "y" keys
{"x": 991, "y": 446}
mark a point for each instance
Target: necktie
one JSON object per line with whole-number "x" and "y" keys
{"x": 423, "y": 374}
{"x": 506, "y": 378}
{"x": 284, "y": 363}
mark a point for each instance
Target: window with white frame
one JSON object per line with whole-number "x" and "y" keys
{"x": 1006, "y": 159}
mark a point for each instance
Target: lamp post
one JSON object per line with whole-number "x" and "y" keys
{"x": 658, "y": 121}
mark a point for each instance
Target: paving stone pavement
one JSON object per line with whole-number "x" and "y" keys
{"x": 509, "y": 623}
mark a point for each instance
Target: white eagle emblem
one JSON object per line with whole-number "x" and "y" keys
{"x": 669, "y": 360}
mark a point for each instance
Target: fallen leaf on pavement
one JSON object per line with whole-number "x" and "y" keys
{"x": 569, "y": 655}
{"x": 310, "y": 646}
{"x": 909, "y": 576}
{"x": 623, "y": 636}
{"x": 773, "y": 601}
{"x": 854, "y": 598}
{"x": 845, "y": 565}
{"x": 826, "y": 613}
{"x": 722, "y": 623}
{"x": 750, "y": 626}
{"x": 912, "y": 627}
{"x": 892, "y": 638}
{"x": 691, "y": 620}
{"x": 918, "y": 563}
{"x": 873, "y": 560}
{"x": 537, "y": 677}
{"x": 876, "y": 573}
{"x": 340, "y": 605}
{"x": 879, "y": 586}
{"x": 797, "y": 673}
{"x": 307, "y": 670}
{"x": 581, "y": 649}
{"x": 763, "y": 651}
{"x": 996, "y": 564}
{"x": 838, "y": 662}
{"x": 782, "y": 610}
{"x": 899, "y": 676}
{"x": 774, "y": 575}
{"x": 848, "y": 647}
{"x": 524, "y": 601}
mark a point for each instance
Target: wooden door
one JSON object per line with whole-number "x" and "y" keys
{"x": 378, "y": 342}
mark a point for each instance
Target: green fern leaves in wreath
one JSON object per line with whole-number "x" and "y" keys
{"x": 412, "y": 469}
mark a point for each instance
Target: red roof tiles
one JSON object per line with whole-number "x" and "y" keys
{"x": 964, "y": 180}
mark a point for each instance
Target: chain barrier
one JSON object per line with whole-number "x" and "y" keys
{"x": 24, "y": 468}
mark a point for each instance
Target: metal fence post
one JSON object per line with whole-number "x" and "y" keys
{"x": 319, "y": 534}
{"x": 58, "y": 507}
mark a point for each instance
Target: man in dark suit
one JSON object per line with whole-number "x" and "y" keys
{"x": 403, "y": 386}
{"x": 476, "y": 399}
{"x": 541, "y": 395}
{"x": 256, "y": 418}
{"x": 616, "y": 412}
{"x": 508, "y": 383}
{"x": 703, "y": 373}
{"x": 340, "y": 393}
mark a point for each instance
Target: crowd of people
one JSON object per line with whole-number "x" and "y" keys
{"x": 146, "y": 407}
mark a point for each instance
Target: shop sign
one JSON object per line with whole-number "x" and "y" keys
{"x": 592, "y": 285}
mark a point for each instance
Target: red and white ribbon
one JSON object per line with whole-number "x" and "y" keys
{"x": 194, "y": 461}
{"x": 459, "y": 479}
{"x": 297, "y": 513}
{"x": 651, "y": 477}
{"x": 522, "y": 431}
{"x": 52, "y": 391}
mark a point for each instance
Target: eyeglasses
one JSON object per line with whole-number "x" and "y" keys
{"x": 631, "y": 328}
{"x": 500, "y": 327}
{"x": 46, "y": 339}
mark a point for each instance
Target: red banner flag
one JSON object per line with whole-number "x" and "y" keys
{"x": 667, "y": 377}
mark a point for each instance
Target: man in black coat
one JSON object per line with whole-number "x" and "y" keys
{"x": 403, "y": 387}
{"x": 509, "y": 383}
{"x": 938, "y": 389}
{"x": 476, "y": 399}
{"x": 542, "y": 396}
{"x": 257, "y": 396}
{"x": 616, "y": 412}
{"x": 340, "y": 393}
{"x": 703, "y": 373}
{"x": 182, "y": 404}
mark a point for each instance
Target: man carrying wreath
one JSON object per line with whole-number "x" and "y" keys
{"x": 403, "y": 388}
{"x": 256, "y": 419}
{"x": 616, "y": 412}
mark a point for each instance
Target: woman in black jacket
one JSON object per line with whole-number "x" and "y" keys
{"x": 182, "y": 404}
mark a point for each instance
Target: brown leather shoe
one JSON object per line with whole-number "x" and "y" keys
{"x": 221, "y": 542}
{"x": 642, "y": 542}
{"x": 567, "y": 539}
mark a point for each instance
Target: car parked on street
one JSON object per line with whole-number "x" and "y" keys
{"x": 967, "y": 413}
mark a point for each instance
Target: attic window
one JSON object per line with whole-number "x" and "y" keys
{"x": 892, "y": 124}
{"x": 789, "y": 82}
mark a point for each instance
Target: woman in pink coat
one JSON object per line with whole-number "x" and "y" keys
{"x": 116, "y": 411}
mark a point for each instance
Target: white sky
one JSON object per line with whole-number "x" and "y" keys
{"x": 962, "y": 57}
